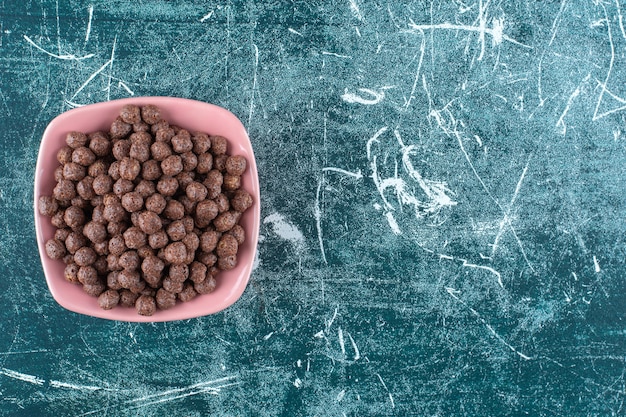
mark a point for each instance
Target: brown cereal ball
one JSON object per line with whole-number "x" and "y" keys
{"x": 188, "y": 223}
{"x": 97, "y": 168}
{"x": 165, "y": 299}
{"x": 241, "y": 200}
{"x": 55, "y": 249}
{"x": 174, "y": 210}
{"x": 71, "y": 273}
{"x": 130, "y": 114}
{"x": 191, "y": 242}
{"x": 188, "y": 293}
{"x": 182, "y": 143}
{"x": 206, "y": 211}
{"x": 100, "y": 145}
{"x": 79, "y": 202}
{"x": 129, "y": 260}
{"x": 68, "y": 259}
{"x": 76, "y": 139}
{"x": 145, "y": 305}
{"x": 208, "y": 240}
{"x": 128, "y": 278}
{"x": 114, "y": 170}
{"x": 178, "y": 272}
{"x": 207, "y": 258}
{"x": 127, "y": 298}
{"x": 145, "y": 251}
{"x": 116, "y": 228}
{"x": 74, "y": 241}
{"x": 47, "y": 206}
{"x": 176, "y": 230}
{"x": 236, "y": 165}
{"x": 158, "y": 240}
{"x": 184, "y": 179}
{"x": 227, "y": 263}
{"x": 197, "y": 272}
{"x": 58, "y": 173}
{"x": 74, "y": 217}
{"x": 96, "y": 232}
{"x": 64, "y": 190}
{"x": 144, "y": 138}
{"x": 134, "y": 238}
{"x": 190, "y": 161}
{"x": 62, "y": 234}
{"x": 114, "y": 212}
{"x": 153, "y": 280}
{"x": 201, "y": 143}
{"x": 84, "y": 188}
{"x": 113, "y": 262}
{"x": 112, "y": 282}
{"x": 219, "y": 145}
{"x": 151, "y": 170}
{"x": 129, "y": 168}
{"x": 108, "y": 299}
{"x": 94, "y": 289}
{"x": 97, "y": 200}
{"x": 64, "y": 155}
{"x": 139, "y": 151}
{"x": 122, "y": 187}
{"x": 57, "y": 219}
{"x": 231, "y": 182}
{"x": 167, "y": 186}
{"x": 205, "y": 287}
{"x": 219, "y": 162}
{"x": 141, "y": 127}
{"x": 238, "y": 233}
{"x": 64, "y": 203}
{"x": 226, "y": 221}
{"x": 73, "y": 171}
{"x": 161, "y": 124}
{"x": 149, "y": 222}
{"x": 88, "y": 275}
{"x": 172, "y": 165}
{"x": 145, "y": 188}
{"x": 156, "y": 203}
{"x": 121, "y": 149}
{"x": 83, "y": 156}
{"x": 171, "y": 285}
{"x": 150, "y": 114}
{"x": 101, "y": 265}
{"x": 102, "y": 184}
{"x": 205, "y": 163}
{"x": 85, "y": 256}
{"x": 117, "y": 246}
{"x": 152, "y": 265}
{"x": 164, "y": 134}
{"x": 160, "y": 150}
{"x": 227, "y": 246}
{"x": 196, "y": 191}
{"x": 190, "y": 206}
{"x": 120, "y": 129}
{"x": 132, "y": 202}
{"x": 222, "y": 202}
{"x": 175, "y": 253}
{"x": 213, "y": 182}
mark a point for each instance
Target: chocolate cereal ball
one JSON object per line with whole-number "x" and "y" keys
{"x": 108, "y": 299}
{"x": 227, "y": 263}
{"x": 132, "y": 202}
{"x": 207, "y": 258}
{"x": 241, "y": 200}
{"x": 223, "y": 204}
{"x": 181, "y": 143}
{"x": 167, "y": 186}
{"x": 64, "y": 190}
{"x": 114, "y": 170}
{"x": 145, "y": 188}
{"x": 130, "y": 114}
{"x": 227, "y": 246}
{"x": 102, "y": 184}
{"x": 121, "y": 149}
{"x": 84, "y": 188}
{"x": 114, "y": 212}
{"x": 57, "y": 219}
{"x": 76, "y": 139}
{"x": 188, "y": 293}
{"x": 150, "y": 114}
{"x": 117, "y": 245}
{"x": 196, "y": 191}
{"x": 190, "y": 161}
{"x": 85, "y": 256}
{"x": 71, "y": 273}
{"x": 151, "y": 170}
{"x": 205, "y": 163}
{"x": 99, "y": 143}
{"x": 58, "y": 173}
{"x": 74, "y": 241}
{"x": 95, "y": 232}
{"x": 62, "y": 234}
{"x": 172, "y": 285}
{"x": 236, "y": 165}
{"x": 128, "y": 278}
{"x": 83, "y": 156}
{"x": 175, "y": 253}
{"x": 226, "y": 221}
{"x": 152, "y": 265}
{"x": 238, "y": 233}
{"x": 74, "y": 217}
{"x": 145, "y": 305}
{"x": 94, "y": 289}
{"x": 231, "y": 182}
{"x": 73, "y": 171}
{"x": 201, "y": 143}
{"x": 97, "y": 168}
{"x": 176, "y": 230}
{"x": 129, "y": 168}
{"x": 129, "y": 260}
{"x": 156, "y": 203}
{"x": 205, "y": 287}
{"x": 219, "y": 145}
{"x": 55, "y": 249}
{"x": 160, "y": 150}
{"x": 134, "y": 238}
{"x": 139, "y": 151}
{"x": 149, "y": 222}
{"x": 219, "y": 162}
{"x": 179, "y": 272}
{"x": 88, "y": 275}
{"x": 197, "y": 272}
{"x": 158, "y": 240}
{"x": 165, "y": 299}
{"x": 47, "y": 205}
{"x": 172, "y": 165}
{"x": 164, "y": 134}
{"x": 191, "y": 242}
{"x": 208, "y": 240}
{"x": 127, "y": 298}
{"x": 174, "y": 210}
{"x": 120, "y": 129}
{"x": 122, "y": 187}
{"x": 206, "y": 211}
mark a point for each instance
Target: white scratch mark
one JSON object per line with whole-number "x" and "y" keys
{"x": 319, "y": 335}
{"x": 22, "y": 377}
{"x": 69, "y": 57}
{"x": 561, "y": 122}
{"x": 356, "y": 174}
{"x": 318, "y": 219}
{"x": 386, "y": 389}
{"x": 88, "y": 80}
{"x": 340, "y": 396}
{"x": 125, "y": 87}
{"x": 332, "y": 319}
{"x": 596, "y": 264}
{"x": 455, "y": 294}
{"x": 341, "y": 342}
{"x": 111, "y": 68}
{"x": 357, "y": 355}
{"x": 355, "y": 10}
{"x": 337, "y": 55}
{"x": 267, "y": 336}
{"x": 284, "y": 229}
{"x": 297, "y": 383}
{"x": 417, "y": 72}
{"x": 295, "y": 32}
{"x": 59, "y": 384}
{"x": 393, "y": 223}
{"x": 377, "y": 97}
{"x": 486, "y": 268}
{"x": 206, "y": 16}
{"x": 88, "y": 31}
{"x": 256, "y": 66}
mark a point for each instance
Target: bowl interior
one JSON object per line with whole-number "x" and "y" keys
{"x": 188, "y": 114}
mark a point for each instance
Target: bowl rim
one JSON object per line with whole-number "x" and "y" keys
{"x": 116, "y": 314}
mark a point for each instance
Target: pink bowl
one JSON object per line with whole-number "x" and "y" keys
{"x": 193, "y": 116}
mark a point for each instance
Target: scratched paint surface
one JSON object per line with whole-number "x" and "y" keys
{"x": 443, "y": 208}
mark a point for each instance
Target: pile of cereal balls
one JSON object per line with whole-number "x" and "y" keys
{"x": 146, "y": 214}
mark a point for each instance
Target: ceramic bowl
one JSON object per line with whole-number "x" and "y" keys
{"x": 193, "y": 116}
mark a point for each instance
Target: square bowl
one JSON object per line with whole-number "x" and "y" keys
{"x": 193, "y": 116}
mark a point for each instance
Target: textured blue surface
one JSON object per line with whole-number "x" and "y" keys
{"x": 443, "y": 214}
